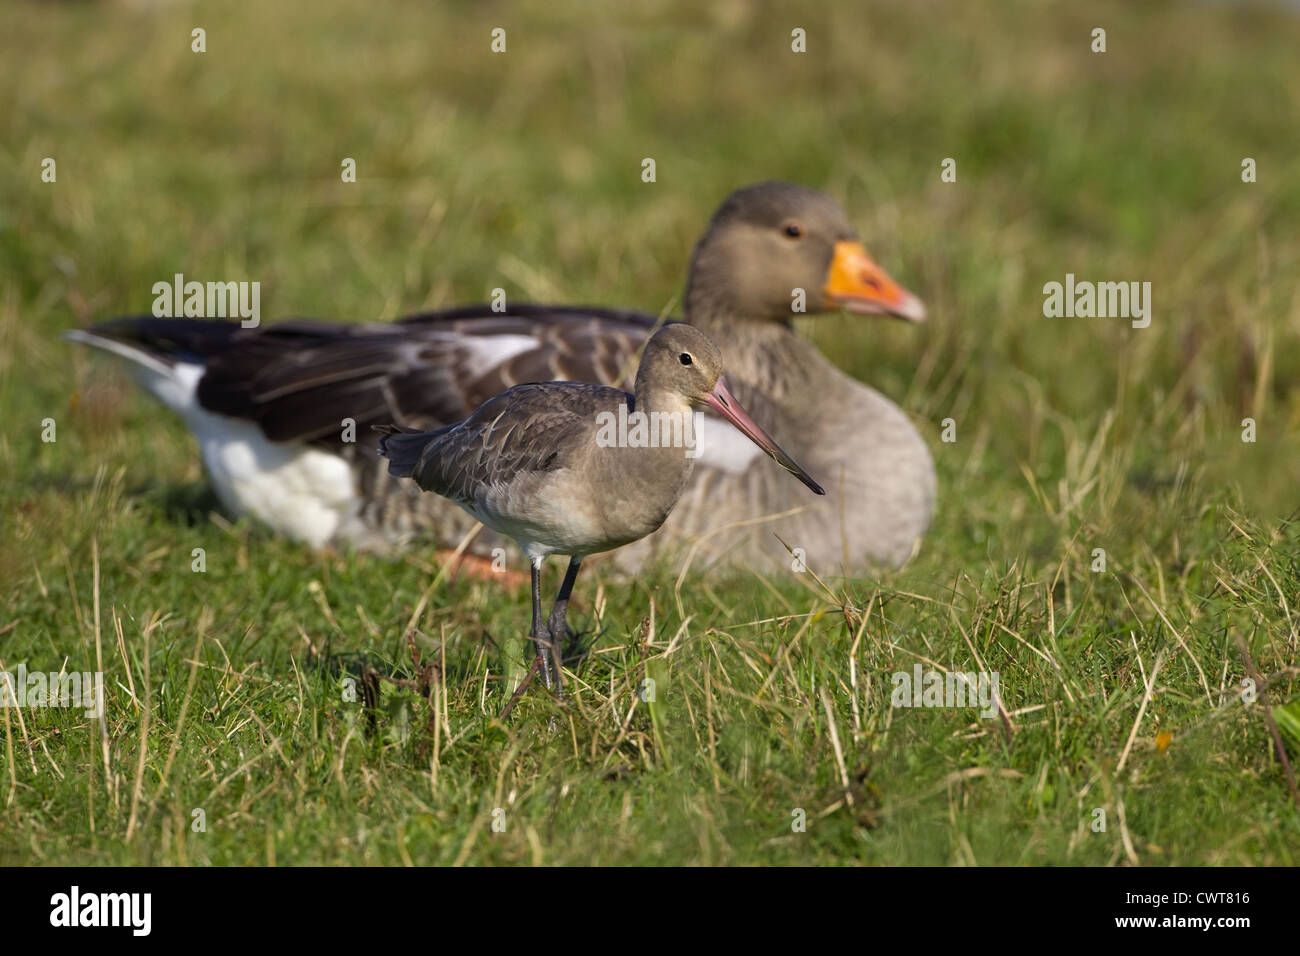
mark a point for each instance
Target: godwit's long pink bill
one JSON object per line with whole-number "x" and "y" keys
{"x": 721, "y": 401}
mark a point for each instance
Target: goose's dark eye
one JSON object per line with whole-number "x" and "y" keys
{"x": 793, "y": 230}
{"x": 685, "y": 358}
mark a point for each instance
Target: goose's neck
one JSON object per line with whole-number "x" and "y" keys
{"x": 770, "y": 357}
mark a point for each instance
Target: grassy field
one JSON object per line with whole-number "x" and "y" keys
{"x": 522, "y": 170}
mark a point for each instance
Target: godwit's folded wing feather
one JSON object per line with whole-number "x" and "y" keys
{"x": 526, "y": 429}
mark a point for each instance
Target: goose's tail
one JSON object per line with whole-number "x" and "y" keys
{"x": 165, "y": 357}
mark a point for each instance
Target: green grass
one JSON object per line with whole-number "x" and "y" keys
{"x": 523, "y": 171}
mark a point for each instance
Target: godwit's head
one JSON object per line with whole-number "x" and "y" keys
{"x": 680, "y": 360}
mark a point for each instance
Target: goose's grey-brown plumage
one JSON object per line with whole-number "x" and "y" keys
{"x": 268, "y": 405}
{"x": 537, "y": 465}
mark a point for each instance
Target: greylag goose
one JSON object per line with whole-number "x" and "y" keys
{"x": 538, "y": 465}
{"x": 273, "y": 408}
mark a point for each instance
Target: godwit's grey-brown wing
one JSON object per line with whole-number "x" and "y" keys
{"x": 525, "y": 431}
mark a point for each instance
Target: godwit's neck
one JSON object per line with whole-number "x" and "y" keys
{"x": 649, "y": 397}
{"x": 655, "y": 466}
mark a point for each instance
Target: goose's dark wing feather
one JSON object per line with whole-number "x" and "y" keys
{"x": 171, "y": 340}
{"x": 300, "y": 379}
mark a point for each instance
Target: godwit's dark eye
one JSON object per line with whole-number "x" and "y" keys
{"x": 685, "y": 358}
{"x": 793, "y": 230}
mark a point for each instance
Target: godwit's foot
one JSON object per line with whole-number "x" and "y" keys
{"x": 558, "y": 625}
{"x": 542, "y": 643}
{"x": 559, "y": 631}
{"x": 547, "y": 664}
{"x": 576, "y": 644}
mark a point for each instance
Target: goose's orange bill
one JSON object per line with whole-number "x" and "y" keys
{"x": 857, "y": 284}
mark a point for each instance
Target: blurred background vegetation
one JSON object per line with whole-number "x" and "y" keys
{"x": 522, "y": 170}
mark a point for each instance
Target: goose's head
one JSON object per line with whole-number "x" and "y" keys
{"x": 769, "y": 240}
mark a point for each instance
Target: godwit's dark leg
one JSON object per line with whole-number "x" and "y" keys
{"x": 541, "y": 637}
{"x": 559, "y": 625}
